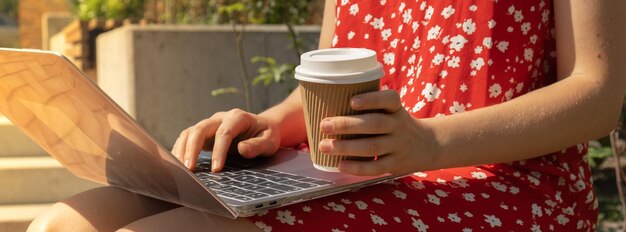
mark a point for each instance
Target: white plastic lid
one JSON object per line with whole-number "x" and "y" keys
{"x": 339, "y": 66}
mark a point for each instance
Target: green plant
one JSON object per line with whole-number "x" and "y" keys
{"x": 243, "y": 12}
{"x": 9, "y": 8}
{"x": 109, "y": 9}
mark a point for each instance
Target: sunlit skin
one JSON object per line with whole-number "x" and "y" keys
{"x": 584, "y": 104}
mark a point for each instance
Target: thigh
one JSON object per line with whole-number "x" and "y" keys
{"x": 187, "y": 219}
{"x": 100, "y": 209}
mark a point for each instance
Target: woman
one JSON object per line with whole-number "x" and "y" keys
{"x": 475, "y": 103}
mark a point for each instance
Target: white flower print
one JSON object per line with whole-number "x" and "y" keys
{"x": 354, "y": 9}
{"x": 528, "y": 54}
{"x": 350, "y": 35}
{"x": 366, "y": 36}
{"x": 434, "y": 199}
{"x": 429, "y": 13}
{"x": 545, "y": 15}
{"x": 445, "y": 39}
{"x": 457, "y": 42}
{"x": 533, "y": 180}
{"x": 443, "y": 74}
{"x": 335, "y": 40}
{"x": 491, "y": 24}
{"x": 535, "y": 228}
{"x": 499, "y": 186}
{"x": 418, "y": 106}
{"x": 285, "y": 217}
{"x": 477, "y": 63}
{"x": 421, "y": 174}
{"x": 401, "y": 7}
{"x": 412, "y": 212}
{"x": 511, "y": 9}
{"x": 493, "y": 221}
{"x": 510, "y": 29}
{"x": 389, "y": 58}
{"x": 473, "y": 8}
{"x": 434, "y": 32}
{"x": 469, "y": 197}
{"x": 447, "y": 12}
{"x": 336, "y": 207}
{"x": 479, "y": 175}
{"x": 518, "y": 16}
{"x": 397, "y": 219}
{"x": 440, "y": 219}
{"x": 263, "y": 226}
{"x": 378, "y": 23}
{"x": 519, "y": 87}
{"x": 454, "y": 217}
{"x": 503, "y": 45}
{"x": 495, "y": 90}
{"x": 385, "y": 34}
{"x": 514, "y": 190}
{"x": 457, "y": 108}
{"x": 361, "y": 205}
{"x": 438, "y": 59}
{"x": 344, "y": 2}
{"x": 431, "y": 92}
{"x": 508, "y": 95}
{"x": 351, "y": 215}
{"x": 383, "y": 2}
{"x": 463, "y": 88}
{"x": 378, "y": 200}
{"x": 468, "y": 214}
{"x": 418, "y": 185}
{"x": 306, "y": 209}
{"x": 441, "y": 193}
{"x": 469, "y": 26}
{"x": 416, "y": 43}
{"x": 419, "y": 224}
{"x": 487, "y": 42}
{"x": 519, "y": 222}
{"x": 454, "y": 62}
{"x": 337, "y": 230}
{"x": 525, "y": 28}
{"x": 367, "y": 18}
{"x": 536, "y": 210}
{"x": 407, "y": 15}
{"x": 378, "y": 220}
{"x": 467, "y": 230}
{"x": 562, "y": 219}
{"x": 399, "y": 194}
{"x": 478, "y": 49}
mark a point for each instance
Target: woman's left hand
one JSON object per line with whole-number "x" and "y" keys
{"x": 402, "y": 143}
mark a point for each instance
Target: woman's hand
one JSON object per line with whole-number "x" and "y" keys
{"x": 402, "y": 143}
{"x": 258, "y": 136}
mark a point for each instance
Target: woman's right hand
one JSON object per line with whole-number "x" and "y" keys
{"x": 257, "y": 136}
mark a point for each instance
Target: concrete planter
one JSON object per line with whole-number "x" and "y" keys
{"x": 163, "y": 75}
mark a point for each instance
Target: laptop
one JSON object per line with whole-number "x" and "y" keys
{"x": 57, "y": 106}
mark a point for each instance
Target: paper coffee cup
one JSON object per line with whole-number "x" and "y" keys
{"x": 329, "y": 78}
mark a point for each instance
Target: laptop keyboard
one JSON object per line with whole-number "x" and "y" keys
{"x": 238, "y": 182}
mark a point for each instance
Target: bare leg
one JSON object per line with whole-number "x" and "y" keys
{"x": 186, "y": 219}
{"x": 100, "y": 209}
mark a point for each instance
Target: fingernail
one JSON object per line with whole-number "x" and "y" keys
{"x": 325, "y": 146}
{"x": 326, "y": 126}
{"x": 187, "y": 163}
{"x": 357, "y": 102}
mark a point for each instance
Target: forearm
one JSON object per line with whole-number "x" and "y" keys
{"x": 289, "y": 117}
{"x": 540, "y": 122}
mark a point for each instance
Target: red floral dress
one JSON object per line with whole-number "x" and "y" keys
{"x": 445, "y": 57}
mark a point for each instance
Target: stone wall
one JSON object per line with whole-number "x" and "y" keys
{"x": 163, "y": 75}
{"x": 30, "y": 14}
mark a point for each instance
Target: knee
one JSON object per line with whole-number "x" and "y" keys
{"x": 52, "y": 219}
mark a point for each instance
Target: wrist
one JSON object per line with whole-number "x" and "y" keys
{"x": 435, "y": 144}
